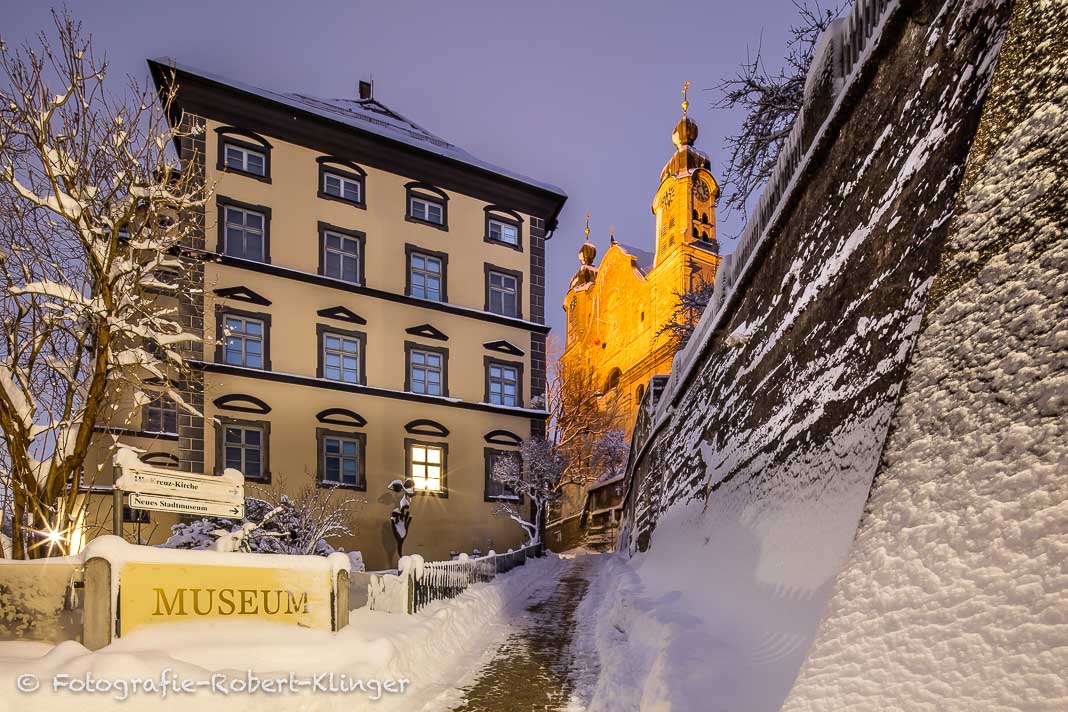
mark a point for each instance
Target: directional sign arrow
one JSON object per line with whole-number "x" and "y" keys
{"x": 182, "y": 505}
{"x": 212, "y": 489}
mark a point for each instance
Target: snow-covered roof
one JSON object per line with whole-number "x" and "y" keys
{"x": 645, "y": 258}
{"x": 368, "y": 115}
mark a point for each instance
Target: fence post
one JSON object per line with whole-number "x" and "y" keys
{"x": 341, "y": 600}
{"x": 98, "y": 612}
{"x": 410, "y": 585}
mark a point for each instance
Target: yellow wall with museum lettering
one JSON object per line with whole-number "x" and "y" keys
{"x": 153, "y": 594}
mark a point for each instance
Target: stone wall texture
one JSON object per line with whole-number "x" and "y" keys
{"x": 779, "y": 431}
{"x": 955, "y": 595}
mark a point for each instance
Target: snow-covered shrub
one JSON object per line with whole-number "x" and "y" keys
{"x": 275, "y": 525}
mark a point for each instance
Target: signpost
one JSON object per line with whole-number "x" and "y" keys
{"x": 164, "y": 490}
{"x": 170, "y": 484}
{"x": 181, "y": 505}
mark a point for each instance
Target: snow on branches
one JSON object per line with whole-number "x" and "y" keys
{"x": 93, "y": 211}
{"x": 535, "y": 472}
{"x": 274, "y": 523}
{"x": 769, "y": 101}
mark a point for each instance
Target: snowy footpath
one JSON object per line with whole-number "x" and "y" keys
{"x": 451, "y": 655}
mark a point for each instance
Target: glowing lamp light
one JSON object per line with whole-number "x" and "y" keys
{"x": 55, "y": 537}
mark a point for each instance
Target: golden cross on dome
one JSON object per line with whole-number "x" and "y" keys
{"x": 611, "y": 233}
{"x": 685, "y": 97}
{"x": 587, "y": 226}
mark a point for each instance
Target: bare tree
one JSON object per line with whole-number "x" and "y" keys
{"x": 769, "y": 99}
{"x": 92, "y": 210}
{"x": 610, "y": 454}
{"x": 584, "y": 406}
{"x": 534, "y": 472}
{"x": 689, "y": 306}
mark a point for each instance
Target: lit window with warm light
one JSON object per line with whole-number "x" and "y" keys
{"x": 427, "y": 467}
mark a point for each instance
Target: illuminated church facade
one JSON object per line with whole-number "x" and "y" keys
{"x": 615, "y": 310}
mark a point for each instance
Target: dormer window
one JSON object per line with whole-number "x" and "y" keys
{"x": 244, "y": 153}
{"x": 427, "y": 205}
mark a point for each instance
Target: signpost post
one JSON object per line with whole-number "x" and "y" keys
{"x": 164, "y": 490}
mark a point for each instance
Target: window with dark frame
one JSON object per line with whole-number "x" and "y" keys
{"x": 244, "y": 153}
{"x": 501, "y": 231}
{"x": 426, "y": 275}
{"x": 426, "y": 210}
{"x": 244, "y": 159}
{"x": 503, "y": 384}
{"x": 243, "y": 448}
{"x": 243, "y": 345}
{"x": 342, "y": 460}
{"x": 341, "y": 358}
{"x": 495, "y": 490}
{"x": 503, "y": 292}
{"x": 161, "y": 415}
{"x": 426, "y": 464}
{"x": 341, "y": 257}
{"x": 244, "y": 234}
{"x": 426, "y": 370}
{"x": 342, "y": 187}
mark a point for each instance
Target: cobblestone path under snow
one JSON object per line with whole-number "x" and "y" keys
{"x": 531, "y": 669}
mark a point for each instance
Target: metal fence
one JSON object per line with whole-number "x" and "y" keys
{"x": 442, "y": 580}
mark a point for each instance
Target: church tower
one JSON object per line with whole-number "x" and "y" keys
{"x": 685, "y": 202}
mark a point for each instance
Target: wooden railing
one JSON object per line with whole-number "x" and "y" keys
{"x": 442, "y": 580}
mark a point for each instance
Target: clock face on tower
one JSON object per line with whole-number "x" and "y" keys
{"x": 700, "y": 190}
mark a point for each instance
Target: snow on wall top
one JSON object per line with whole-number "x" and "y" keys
{"x": 369, "y": 115}
{"x": 645, "y": 258}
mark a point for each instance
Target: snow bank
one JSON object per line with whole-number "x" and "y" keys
{"x": 703, "y": 622}
{"x": 429, "y": 648}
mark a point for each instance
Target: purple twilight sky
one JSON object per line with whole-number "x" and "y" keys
{"x": 580, "y": 94}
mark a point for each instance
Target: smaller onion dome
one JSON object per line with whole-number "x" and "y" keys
{"x": 587, "y": 253}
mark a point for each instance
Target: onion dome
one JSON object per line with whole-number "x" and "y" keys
{"x": 587, "y": 253}
{"x": 685, "y": 132}
{"x": 687, "y": 158}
